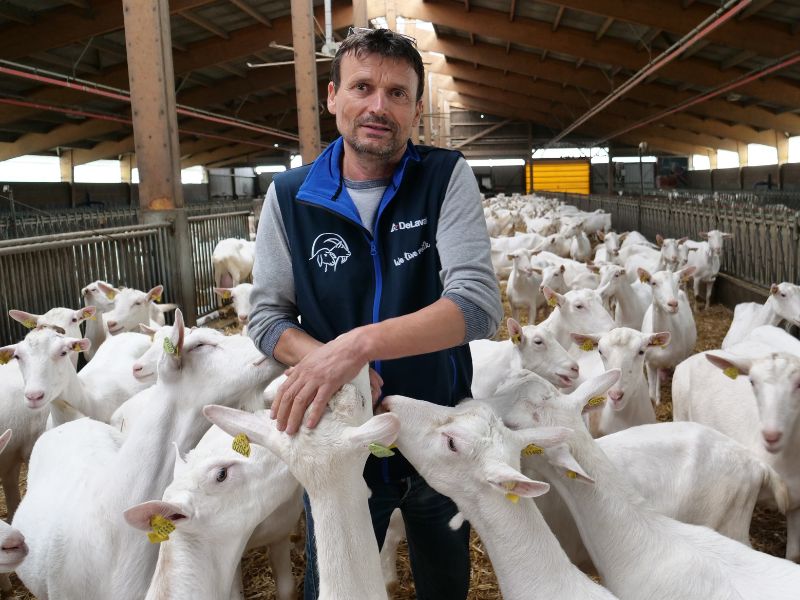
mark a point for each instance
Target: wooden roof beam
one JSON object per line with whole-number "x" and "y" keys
{"x": 204, "y": 23}
{"x": 519, "y": 62}
{"x": 243, "y": 6}
{"x": 17, "y": 14}
{"x": 559, "y": 16}
{"x": 765, "y": 37}
{"x": 512, "y": 12}
{"x": 603, "y": 28}
{"x": 63, "y": 26}
{"x": 85, "y": 4}
{"x": 737, "y": 59}
{"x": 581, "y": 44}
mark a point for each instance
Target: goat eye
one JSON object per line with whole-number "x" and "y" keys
{"x": 451, "y": 444}
{"x": 74, "y": 320}
{"x": 222, "y": 474}
{"x": 63, "y": 353}
{"x": 783, "y": 295}
{"x": 578, "y": 306}
{"x": 641, "y": 352}
{"x": 538, "y": 342}
{"x": 139, "y": 303}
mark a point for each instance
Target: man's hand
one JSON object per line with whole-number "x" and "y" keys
{"x": 318, "y": 376}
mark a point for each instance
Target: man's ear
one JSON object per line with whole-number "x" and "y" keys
{"x": 418, "y": 113}
{"x": 331, "y": 98}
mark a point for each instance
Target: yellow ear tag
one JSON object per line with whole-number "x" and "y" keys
{"x": 552, "y": 302}
{"x": 87, "y": 314}
{"x": 380, "y": 450}
{"x": 226, "y": 295}
{"x": 111, "y": 295}
{"x": 242, "y": 445}
{"x": 5, "y": 357}
{"x": 596, "y": 401}
{"x": 76, "y": 347}
{"x": 516, "y": 339}
{"x": 512, "y": 497}
{"x": 644, "y": 278}
{"x": 587, "y": 345}
{"x": 157, "y": 298}
{"x": 571, "y": 474}
{"x": 170, "y": 348}
{"x": 532, "y": 449}
{"x": 731, "y": 372}
{"x": 29, "y": 323}
{"x": 162, "y": 527}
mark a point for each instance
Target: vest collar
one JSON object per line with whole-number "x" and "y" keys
{"x": 324, "y": 184}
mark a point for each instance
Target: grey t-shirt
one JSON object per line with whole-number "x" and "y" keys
{"x": 461, "y": 240}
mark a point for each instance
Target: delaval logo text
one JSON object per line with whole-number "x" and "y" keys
{"x": 329, "y": 250}
{"x": 409, "y": 224}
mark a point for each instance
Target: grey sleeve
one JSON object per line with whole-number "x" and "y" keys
{"x": 273, "y": 309}
{"x": 465, "y": 253}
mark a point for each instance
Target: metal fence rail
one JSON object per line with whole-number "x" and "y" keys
{"x": 206, "y": 232}
{"x": 28, "y": 224}
{"x": 41, "y": 273}
{"x": 765, "y": 247}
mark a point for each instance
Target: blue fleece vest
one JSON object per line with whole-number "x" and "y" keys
{"x": 344, "y": 277}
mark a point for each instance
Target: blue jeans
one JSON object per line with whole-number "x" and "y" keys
{"x": 439, "y": 556}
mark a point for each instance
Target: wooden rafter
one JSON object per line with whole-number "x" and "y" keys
{"x": 737, "y": 59}
{"x": 756, "y": 6}
{"x": 204, "y": 23}
{"x": 512, "y": 12}
{"x": 559, "y": 16}
{"x": 603, "y": 28}
{"x": 482, "y": 133}
{"x": 246, "y": 8}
{"x": 16, "y": 14}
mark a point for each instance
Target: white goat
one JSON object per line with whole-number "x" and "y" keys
{"x": 13, "y": 549}
{"x": 531, "y": 347}
{"x": 608, "y": 251}
{"x": 233, "y": 262}
{"x": 467, "y": 453}
{"x": 625, "y": 537}
{"x": 713, "y": 480}
{"x": 240, "y": 296}
{"x": 669, "y": 311}
{"x": 630, "y": 300}
{"x": 706, "y": 262}
{"x": 65, "y": 318}
{"x": 624, "y": 349}
{"x": 96, "y": 330}
{"x": 83, "y": 474}
{"x": 133, "y": 307}
{"x": 782, "y": 304}
{"x": 216, "y": 499}
{"x": 329, "y": 461}
{"x": 577, "y": 310}
{"x": 522, "y": 290}
{"x": 759, "y": 409}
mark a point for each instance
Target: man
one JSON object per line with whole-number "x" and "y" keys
{"x": 381, "y": 249}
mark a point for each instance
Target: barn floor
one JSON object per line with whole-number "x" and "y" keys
{"x": 768, "y": 531}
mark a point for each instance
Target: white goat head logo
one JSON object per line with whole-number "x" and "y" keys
{"x": 329, "y": 250}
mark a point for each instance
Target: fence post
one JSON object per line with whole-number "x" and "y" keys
{"x": 639, "y": 214}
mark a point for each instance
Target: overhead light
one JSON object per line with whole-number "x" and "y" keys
{"x": 481, "y": 116}
{"x": 275, "y": 145}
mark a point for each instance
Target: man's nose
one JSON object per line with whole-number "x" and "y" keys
{"x": 377, "y": 102}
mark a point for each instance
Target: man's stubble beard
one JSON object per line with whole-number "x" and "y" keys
{"x": 387, "y": 151}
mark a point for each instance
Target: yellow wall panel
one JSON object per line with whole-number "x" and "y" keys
{"x": 570, "y": 176}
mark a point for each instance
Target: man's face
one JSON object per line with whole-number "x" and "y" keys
{"x": 375, "y": 105}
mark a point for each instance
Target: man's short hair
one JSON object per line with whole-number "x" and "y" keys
{"x": 382, "y": 42}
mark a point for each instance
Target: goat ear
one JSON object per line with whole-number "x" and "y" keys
{"x": 109, "y": 290}
{"x": 258, "y": 428}
{"x": 543, "y": 437}
{"x": 4, "y": 439}
{"x": 511, "y": 482}
{"x": 685, "y": 273}
{"x": 180, "y": 463}
{"x": 6, "y": 353}
{"x": 29, "y": 320}
{"x": 380, "y": 429}
{"x": 87, "y": 312}
{"x": 537, "y": 270}
{"x": 644, "y": 275}
{"x": 601, "y": 236}
{"x": 593, "y": 388}
{"x": 77, "y": 345}
{"x": 553, "y": 298}
{"x": 223, "y": 293}
{"x": 586, "y": 342}
{"x": 146, "y": 329}
{"x": 732, "y": 366}
{"x": 774, "y": 289}
{"x": 659, "y": 339}
{"x": 514, "y": 331}
{"x": 622, "y": 236}
{"x": 561, "y": 458}
{"x": 682, "y": 240}
{"x": 139, "y": 515}
{"x": 727, "y": 235}
{"x": 704, "y": 235}
{"x": 659, "y": 239}
{"x": 155, "y": 294}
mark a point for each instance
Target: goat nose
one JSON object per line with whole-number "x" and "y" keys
{"x": 137, "y": 367}
{"x": 772, "y": 437}
{"x": 111, "y": 323}
{"x": 616, "y": 395}
{"x": 672, "y": 304}
{"x": 575, "y": 369}
{"x": 34, "y": 396}
{"x": 243, "y": 318}
{"x": 14, "y": 541}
